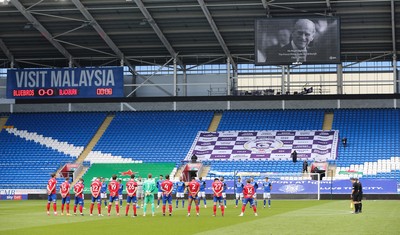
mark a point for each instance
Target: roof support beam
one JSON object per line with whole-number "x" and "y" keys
{"x": 107, "y": 39}
{"x": 394, "y": 63}
{"x": 216, "y": 32}
{"x": 7, "y": 52}
{"x": 43, "y": 31}
{"x": 158, "y": 31}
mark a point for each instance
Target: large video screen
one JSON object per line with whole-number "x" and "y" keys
{"x": 308, "y": 40}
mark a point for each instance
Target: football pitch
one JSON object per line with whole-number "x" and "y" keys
{"x": 284, "y": 217}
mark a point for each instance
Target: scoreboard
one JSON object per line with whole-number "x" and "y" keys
{"x": 65, "y": 83}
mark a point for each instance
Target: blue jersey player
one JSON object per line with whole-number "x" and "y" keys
{"x": 159, "y": 192}
{"x": 180, "y": 191}
{"x": 267, "y": 186}
{"x": 255, "y": 185}
{"x": 239, "y": 190}
{"x": 224, "y": 188}
{"x": 202, "y": 192}
{"x": 103, "y": 191}
{"x": 120, "y": 190}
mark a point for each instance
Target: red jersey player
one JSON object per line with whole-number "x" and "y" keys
{"x": 51, "y": 194}
{"x": 78, "y": 190}
{"x": 194, "y": 187}
{"x": 64, "y": 191}
{"x": 131, "y": 188}
{"x": 166, "y": 187}
{"x": 248, "y": 197}
{"x": 95, "y": 188}
{"x": 218, "y": 187}
{"x": 113, "y": 188}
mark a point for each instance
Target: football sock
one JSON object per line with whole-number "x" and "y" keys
{"x": 205, "y": 201}
{"x": 158, "y": 202}
{"x": 144, "y": 208}
{"x": 170, "y": 208}
{"x": 109, "y": 208}
{"x": 120, "y": 202}
{"x": 163, "y": 209}
{"x": 80, "y": 208}
{"x": 177, "y": 202}
{"x": 105, "y": 202}
{"x": 126, "y": 209}
{"x": 48, "y": 206}
{"x": 99, "y": 207}
{"x": 197, "y": 208}
{"x": 183, "y": 202}
{"x": 68, "y": 208}
{"x": 243, "y": 208}
{"x": 62, "y": 208}
{"x": 189, "y": 209}
{"x": 134, "y": 209}
{"x": 255, "y": 209}
{"x": 223, "y": 209}
{"x": 225, "y": 202}
{"x": 74, "y": 208}
{"x": 360, "y": 207}
{"x": 269, "y": 202}
{"x": 215, "y": 209}
{"x": 237, "y": 202}
{"x": 54, "y": 207}
{"x": 153, "y": 208}
{"x": 265, "y": 202}
{"x": 91, "y": 208}
{"x": 117, "y": 208}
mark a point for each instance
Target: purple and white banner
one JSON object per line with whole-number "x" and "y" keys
{"x": 265, "y": 145}
{"x": 370, "y": 186}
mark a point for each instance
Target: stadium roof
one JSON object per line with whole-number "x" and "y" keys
{"x": 102, "y": 32}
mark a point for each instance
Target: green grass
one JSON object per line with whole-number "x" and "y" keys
{"x": 285, "y": 217}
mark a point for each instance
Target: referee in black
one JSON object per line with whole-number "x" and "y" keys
{"x": 355, "y": 192}
{"x": 360, "y": 196}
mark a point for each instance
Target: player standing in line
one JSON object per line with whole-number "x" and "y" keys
{"x": 167, "y": 186}
{"x": 149, "y": 186}
{"x": 103, "y": 191}
{"x": 180, "y": 192}
{"x": 239, "y": 190}
{"x": 139, "y": 192}
{"x": 160, "y": 191}
{"x": 120, "y": 192}
{"x": 217, "y": 187}
{"x": 202, "y": 192}
{"x": 95, "y": 188}
{"x": 193, "y": 188}
{"x": 78, "y": 190}
{"x": 255, "y": 185}
{"x": 224, "y": 188}
{"x": 267, "y": 192}
{"x": 66, "y": 198}
{"x": 51, "y": 194}
{"x": 248, "y": 193}
{"x": 131, "y": 189}
{"x": 113, "y": 188}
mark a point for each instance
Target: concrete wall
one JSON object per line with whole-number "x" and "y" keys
{"x": 204, "y": 105}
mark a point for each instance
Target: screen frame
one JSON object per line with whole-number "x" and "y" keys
{"x": 295, "y": 18}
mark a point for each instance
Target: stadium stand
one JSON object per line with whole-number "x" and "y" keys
{"x": 35, "y": 145}
{"x": 266, "y": 120}
{"x": 272, "y": 120}
{"x": 373, "y": 142}
{"x": 153, "y": 136}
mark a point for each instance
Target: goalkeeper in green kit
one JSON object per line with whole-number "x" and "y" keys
{"x": 149, "y": 187}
